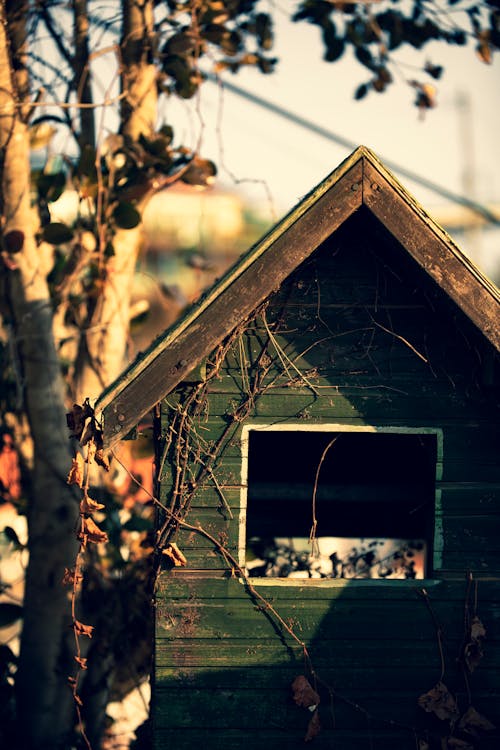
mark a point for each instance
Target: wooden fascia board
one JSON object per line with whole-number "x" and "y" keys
{"x": 232, "y": 300}
{"x": 433, "y": 249}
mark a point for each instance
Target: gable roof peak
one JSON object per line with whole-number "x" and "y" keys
{"x": 360, "y": 180}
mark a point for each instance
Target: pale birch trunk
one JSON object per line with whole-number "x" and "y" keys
{"x": 46, "y": 653}
{"x": 103, "y": 348}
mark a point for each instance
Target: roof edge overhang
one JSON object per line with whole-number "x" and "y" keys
{"x": 432, "y": 248}
{"x": 360, "y": 180}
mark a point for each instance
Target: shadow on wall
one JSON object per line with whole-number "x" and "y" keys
{"x": 225, "y": 667}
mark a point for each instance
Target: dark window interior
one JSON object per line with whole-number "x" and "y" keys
{"x": 370, "y": 485}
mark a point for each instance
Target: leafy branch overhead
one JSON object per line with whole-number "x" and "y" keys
{"x": 374, "y": 35}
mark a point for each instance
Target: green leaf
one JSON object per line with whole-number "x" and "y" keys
{"x": 136, "y": 523}
{"x": 51, "y": 186}
{"x": 264, "y": 30}
{"x": 41, "y": 135}
{"x": 365, "y": 57}
{"x": 167, "y": 132}
{"x": 86, "y": 164}
{"x": 181, "y": 43}
{"x": 9, "y": 614}
{"x": 126, "y": 216}
{"x": 57, "y": 233}
{"x": 11, "y": 535}
{"x": 200, "y": 172}
{"x": 13, "y": 241}
{"x": 361, "y": 91}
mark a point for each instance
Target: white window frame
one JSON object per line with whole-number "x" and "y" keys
{"x": 249, "y": 427}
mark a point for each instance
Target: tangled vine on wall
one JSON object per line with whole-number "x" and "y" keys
{"x": 195, "y": 463}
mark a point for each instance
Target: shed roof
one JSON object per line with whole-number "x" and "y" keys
{"x": 360, "y": 180}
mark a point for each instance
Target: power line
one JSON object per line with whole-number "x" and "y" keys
{"x": 329, "y": 135}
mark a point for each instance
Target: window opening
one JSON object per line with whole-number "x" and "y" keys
{"x": 374, "y": 496}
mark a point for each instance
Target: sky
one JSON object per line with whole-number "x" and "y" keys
{"x": 284, "y": 162}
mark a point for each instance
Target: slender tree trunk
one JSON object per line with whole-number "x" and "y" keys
{"x": 103, "y": 349}
{"x": 81, "y": 63}
{"x": 139, "y": 107}
{"x": 44, "y": 700}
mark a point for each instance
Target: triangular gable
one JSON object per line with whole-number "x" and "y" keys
{"x": 360, "y": 180}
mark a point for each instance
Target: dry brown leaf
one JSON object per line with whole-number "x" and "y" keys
{"x": 440, "y": 701}
{"x": 90, "y": 532}
{"x": 175, "y": 555}
{"x": 81, "y": 661}
{"x": 474, "y": 723}
{"x": 77, "y": 418}
{"x": 77, "y": 472}
{"x": 81, "y": 629}
{"x": 313, "y": 728}
{"x": 70, "y": 577}
{"x": 303, "y": 692}
{"x": 484, "y": 52}
{"x": 10, "y": 472}
{"x": 88, "y": 505}
{"x": 473, "y": 653}
{"x": 477, "y": 629}
{"x": 458, "y": 744}
{"x": 101, "y": 459}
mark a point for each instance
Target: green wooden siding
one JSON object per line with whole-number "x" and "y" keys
{"x": 344, "y": 342}
{"x": 221, "y": 666}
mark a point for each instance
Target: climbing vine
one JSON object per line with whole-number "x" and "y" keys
{"x": 194, "y": 461}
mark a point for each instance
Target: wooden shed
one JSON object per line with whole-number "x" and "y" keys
{"x": 328, "y": 440}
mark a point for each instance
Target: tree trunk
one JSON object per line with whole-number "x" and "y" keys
{"x": 102, "y": 353}
{"x": 46, "y": 655}
{"x": 139, "y": 107}
{"x": 103, "y": 348}
{"x": 81, "y": 64}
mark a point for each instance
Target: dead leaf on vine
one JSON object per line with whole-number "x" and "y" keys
{"x": 304, "y": 694}
{"x": 313, "y": 728}
{"x": 90, "y": 532}
{"x": 440, "y": 701}
{"x": 76, "y": 419}
{"x": 474, "y": 723}
{"x": 70, "y": 577}
{"x": 81, "y": 629}
{"x": 473, "y": 653}
{"x": 101, "y": 459}
{"x": 81, "y": 661}
{"x": 477, "y": 629}
{"x": 88, "y": 505}
{"x": 175, "y": 555}
{"x": 76, "y": 473}
{"x": 455, "y": 742}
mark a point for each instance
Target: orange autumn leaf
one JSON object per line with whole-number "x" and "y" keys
{"x": 10, "y": 473}
{"x": 90, "y": 532}
{"x": 81, "y": 661}
{"x": 101, "y": 459}
{"x": 88, "y": 506}
{"x": 81, "y": 629}
{"x": 70, "y": 577}
{"x": 304, "y": 694}
{"x": 313, "y": 728}
{"x": 76, "y": 473}
{"x": 175, "y": 555}
{"x": 441, "y": 702}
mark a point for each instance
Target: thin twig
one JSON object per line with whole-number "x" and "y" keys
{"x": 312, "y": 533}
